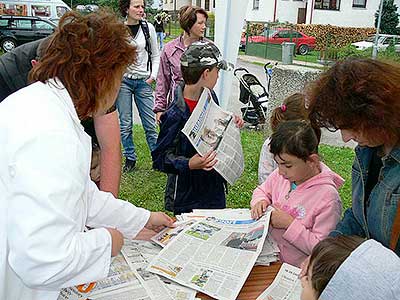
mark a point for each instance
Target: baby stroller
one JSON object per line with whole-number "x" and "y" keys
{"x": 254, "y": 95}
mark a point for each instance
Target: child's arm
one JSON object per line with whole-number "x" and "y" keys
{"x": 261, "y": 199}
{"x": 164, "y": 155}
{"x": 325, "y": 221}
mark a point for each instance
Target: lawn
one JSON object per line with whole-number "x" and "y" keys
{"x": 311, "y": 57}
{"x": 145, "y": 187}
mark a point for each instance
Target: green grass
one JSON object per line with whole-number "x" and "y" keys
{"x": 145, "y": 187}
{"x": 312, "y": 57}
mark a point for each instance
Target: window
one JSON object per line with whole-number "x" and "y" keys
{"x": 256, "y": 4}
{"x": 61, "y": 10}
{"x": 360, "y": 3}
{"x": 23, "y": 24}
{"x": 198, "y": 3}
{"x": 214, "y": 3}
{"x": 42, "y": 25}
{"x": 207, "y": 5}
{"x": 41, "y": 10}
{"x": 327, "y": 4}
{"x": 3, "y": 22}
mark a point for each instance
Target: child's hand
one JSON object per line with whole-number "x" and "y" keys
{"x": 280, "y": 219}
{"x": 206, "y": 162}
{"x": 158, "y": 221}
{"x": 117, "y": 241}
{"x": 259, "y": 209}
{"x": 238, "y": 121}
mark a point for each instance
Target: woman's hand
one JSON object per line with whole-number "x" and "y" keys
{"x": 280, "y": 219}
{"x": 259, "y": 209}
{"x": 117, "y": 241}
{"x": 158, "y": 220}
{"x": 206, "y": 162}
{"x": 158, "y": 117}
{"x": 238, "y": 121}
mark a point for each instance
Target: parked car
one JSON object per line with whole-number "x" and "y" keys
{"x": 304, "y": 43}
{"x": 18, "y": 30}
{"x": 384, "y": 40}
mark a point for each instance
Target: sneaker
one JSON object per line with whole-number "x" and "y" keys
{"x": 129, "y": 165}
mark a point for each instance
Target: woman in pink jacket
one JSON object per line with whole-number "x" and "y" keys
{"x": 302, "y": 191}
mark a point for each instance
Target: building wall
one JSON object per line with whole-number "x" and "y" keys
{"x": 347, "y": 16}
{"x": 202, "y": 4}
{"x": 168, "y": 5}
{"x": 287, "y": 11}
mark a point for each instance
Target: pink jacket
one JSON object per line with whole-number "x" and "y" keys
{"x": 315, "y": 206}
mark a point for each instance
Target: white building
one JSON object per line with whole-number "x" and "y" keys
{"x": 348, "y": 13}
{"x": 171, "y": 5}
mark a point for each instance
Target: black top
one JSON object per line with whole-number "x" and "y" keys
{"x": 134, "y": 29}
{"x": 14, "y": 70}
{"x": 159, "y": 26}
{"x": 374, "y": 169}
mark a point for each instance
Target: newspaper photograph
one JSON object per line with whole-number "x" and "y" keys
{"x": 212, "y": 257}
{"x": 119, "y": 277}
{"x": 209, "y": 127}
{"x": 166, "y": 235}
{"x": 138, "y": 254}
{"x": 286, "y": 285}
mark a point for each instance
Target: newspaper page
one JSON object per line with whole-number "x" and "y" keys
{"x": 120, "y": 280}
{"x": 138, "y": 254}
{"x": 286, "y": 286}
{"x": 166, "y": 235}
{"x": 212, "y": 257}
{"x": 210, "y": 127}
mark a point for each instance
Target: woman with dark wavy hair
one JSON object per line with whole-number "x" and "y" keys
{"x": 361, "y": 97}
{"x": 46, "y": 196}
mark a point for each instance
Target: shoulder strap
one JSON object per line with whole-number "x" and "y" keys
{"x": 146, "y": 32}
{"x": 395, "y": 229}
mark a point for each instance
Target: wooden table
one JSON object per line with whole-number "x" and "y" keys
{"x": 259, "y": 279}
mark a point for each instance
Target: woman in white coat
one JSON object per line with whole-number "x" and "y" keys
{"x": 46, "y": 195}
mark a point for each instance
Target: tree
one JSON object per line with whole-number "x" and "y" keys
{"x": 390, "y": 18}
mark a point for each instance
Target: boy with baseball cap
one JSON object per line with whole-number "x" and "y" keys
{"x": 192, "y": 181}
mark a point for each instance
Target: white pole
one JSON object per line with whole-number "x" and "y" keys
{"x": 375, "y": 47}
{"x": 229, "y": 20}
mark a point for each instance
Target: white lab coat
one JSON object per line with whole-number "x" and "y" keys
{"x": 47, "y": 198}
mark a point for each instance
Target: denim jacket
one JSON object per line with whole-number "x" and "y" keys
{"x": 377, "y": 222}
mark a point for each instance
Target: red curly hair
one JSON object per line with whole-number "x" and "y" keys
{"x": 88, "y": 54}
{"x": 358, "y": 94}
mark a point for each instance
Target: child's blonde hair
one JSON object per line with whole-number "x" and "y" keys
{"x": 292, "y": 108}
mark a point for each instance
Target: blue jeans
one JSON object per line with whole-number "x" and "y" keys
{"x": 160, "y": 36}
{"x": 143, "y": 95}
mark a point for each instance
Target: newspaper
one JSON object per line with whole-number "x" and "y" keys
{"x": 270, "y": 251}
{"x": 286, "y": 286}
{"x": 138, "y": 254}
{"x": 210, "y": 127}
{"x": 121, "y": 283}
{"x": 166, "y": 235}
{"x": 213, "y": 257}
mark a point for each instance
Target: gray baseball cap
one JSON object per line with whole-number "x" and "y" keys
{"x": 202, "y": 54}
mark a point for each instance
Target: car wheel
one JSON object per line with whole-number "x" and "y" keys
{"x": 303, "y": 49}
{"x": 8, "y": 44}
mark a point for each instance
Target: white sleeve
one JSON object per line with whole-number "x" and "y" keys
{"x": 155, "y": 53}
{"x": 50, "y": 201}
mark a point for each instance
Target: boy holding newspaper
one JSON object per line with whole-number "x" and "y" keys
{"x": 192, "y": 181}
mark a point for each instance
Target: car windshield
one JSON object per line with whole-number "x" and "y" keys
{"x": 269, "y": 32}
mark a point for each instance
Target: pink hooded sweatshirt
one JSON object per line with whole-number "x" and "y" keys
{"x": 315, "y": 206}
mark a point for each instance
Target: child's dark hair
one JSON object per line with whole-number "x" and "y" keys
{"x": 292, "y": 108}
{"x": 191, "y": 75}
{"x": 327, "y": 256}
{"x": 296, "y": 138}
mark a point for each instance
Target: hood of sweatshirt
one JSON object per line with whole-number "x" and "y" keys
{"x": 371, "y": 272}
{"x": 327, "y": 176}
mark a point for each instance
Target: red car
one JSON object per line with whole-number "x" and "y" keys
{"x": 304, "y": 43}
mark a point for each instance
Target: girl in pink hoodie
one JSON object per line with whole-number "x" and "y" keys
{"x": 302, "y": 190}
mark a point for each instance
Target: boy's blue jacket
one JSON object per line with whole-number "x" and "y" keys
{"x": 186, "y": 189}
{"x": 376, "y": 220}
